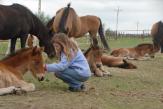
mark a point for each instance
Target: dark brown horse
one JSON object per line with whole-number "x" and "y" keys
{"x": 17, "y": 21}
{"x": 67, "y": 21}
{"x": 93, "y": 56}
{"x": 140, "y": 52}
{"x": 14, "y": 66}
{"x": 157, "y": 34}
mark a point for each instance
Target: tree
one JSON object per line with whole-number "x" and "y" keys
{"x": 44, "y": 18}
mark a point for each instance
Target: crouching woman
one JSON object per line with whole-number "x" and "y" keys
{"x": 73, "y": 67}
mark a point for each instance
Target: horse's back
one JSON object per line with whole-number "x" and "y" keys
{"x": 90, "y": 21}
{"x": 14, "y": 19}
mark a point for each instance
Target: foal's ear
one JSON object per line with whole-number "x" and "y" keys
{"x": 41, "y": 49}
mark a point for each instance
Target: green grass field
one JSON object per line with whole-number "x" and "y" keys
{"x": 140, "y": 88}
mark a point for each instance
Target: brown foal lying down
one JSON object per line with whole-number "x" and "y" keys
{"x": 140, "y": 52}
{"x": 112, "y": 61}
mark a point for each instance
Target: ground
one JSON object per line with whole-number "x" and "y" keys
{"x": 140, "y": 88}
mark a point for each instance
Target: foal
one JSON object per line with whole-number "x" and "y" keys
{"x": 14, "y": 66}
{"x": 93, "y": 56}
{"x": 140, "y": 52}
{"x": 112, "y": 61}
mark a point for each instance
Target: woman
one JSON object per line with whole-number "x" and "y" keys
{"x": 73, "y": 67}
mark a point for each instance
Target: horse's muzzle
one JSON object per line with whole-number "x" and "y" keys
{"x": 98, "y": 65}
{"x": 41, "y": 79}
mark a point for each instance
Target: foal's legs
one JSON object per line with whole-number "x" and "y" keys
{"x": 26, "y": 87}
{"x": 7, "y": 90}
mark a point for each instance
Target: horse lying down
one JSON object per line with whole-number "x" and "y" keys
{"x": 93, "y": 56}
{"x": 112, "y": 61}
{"x": 140, "y": 52}
{"x": 14, "y": 66}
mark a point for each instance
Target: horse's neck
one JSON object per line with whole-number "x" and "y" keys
{"x": 20, "y": 63}
{"x": 89, "y": 56}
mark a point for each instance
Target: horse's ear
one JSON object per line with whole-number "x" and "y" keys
{"x": 41, "y": 49}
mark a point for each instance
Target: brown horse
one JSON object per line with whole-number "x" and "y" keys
{"x": 157, "y": 34}
{"x": 93, "y": 56}
{"x": 96, "y": 59}
{"x": 14, "y": 66}
{"x": 67, "y": 21}
{"x": 140, "y": 52}
{"x": 112, "y": 61}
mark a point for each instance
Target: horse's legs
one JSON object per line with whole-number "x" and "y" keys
{"x": 23, "y": 40}
{"x": 94, "y": 39}
{"x": 27, "y": 87}
{"x": 161, "y": 48}
{"x": 13, "y": 44}
{"x": 7, "y": 90}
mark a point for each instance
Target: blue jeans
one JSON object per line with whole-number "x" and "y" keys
{"x": 71, "y": 77}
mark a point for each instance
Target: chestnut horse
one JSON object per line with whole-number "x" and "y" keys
{"x": 140, "y": 52}
{"x": 93, "y": 56}
{"x": 157, "y": 34}
{"x": 67, "y": 21}
{"x": 14, "y": 66}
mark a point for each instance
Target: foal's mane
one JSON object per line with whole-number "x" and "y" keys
{"x": 16, "y": 53}
{"x": 144, "y": 44}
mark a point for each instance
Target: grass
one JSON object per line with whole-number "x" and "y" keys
{"x": 140, "y": 88}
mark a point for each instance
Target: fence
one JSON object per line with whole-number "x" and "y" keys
{"x": 128, "y": 33}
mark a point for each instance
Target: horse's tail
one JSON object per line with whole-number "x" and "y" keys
{"x": 102, "y": 36}
{"x": 64, "y": 19}
{"x": 127, "y": 65}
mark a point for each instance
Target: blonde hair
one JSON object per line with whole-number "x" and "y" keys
{"x": 69, "y": 45}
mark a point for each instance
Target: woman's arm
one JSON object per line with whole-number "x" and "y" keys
{"x": 57, "y": 67}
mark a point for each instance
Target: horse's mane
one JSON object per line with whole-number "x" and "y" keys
{"x": 16, "y": 53}
{"x": 144, "y": 44}
{"x": 64, "y": 19}
{"x": 36, "y": 23}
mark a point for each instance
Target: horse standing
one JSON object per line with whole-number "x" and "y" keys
{"x": 17, "y": 21}
{"x": 140, "y": 52}
{"x": 67, "y": 21}
{"x": 157, "y": 34}
{"x": 14, "y": 66}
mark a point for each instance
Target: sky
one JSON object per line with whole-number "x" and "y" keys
{"x": 133, "y": 14}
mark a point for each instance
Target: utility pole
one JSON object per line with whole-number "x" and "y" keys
{"x": 117, "y": 11}
{"x": 137, "y": 26}
{"x": 39, "y": 7}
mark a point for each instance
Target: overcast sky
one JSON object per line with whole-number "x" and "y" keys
{"x": 133, "y": 13}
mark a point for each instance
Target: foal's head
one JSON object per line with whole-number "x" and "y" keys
{"x": 36, "y": 63}
{"x": 93, "y": 55}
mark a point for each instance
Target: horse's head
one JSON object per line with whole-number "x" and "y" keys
{"x": 93, "y": 55}
{"x": 36, "y": 63}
